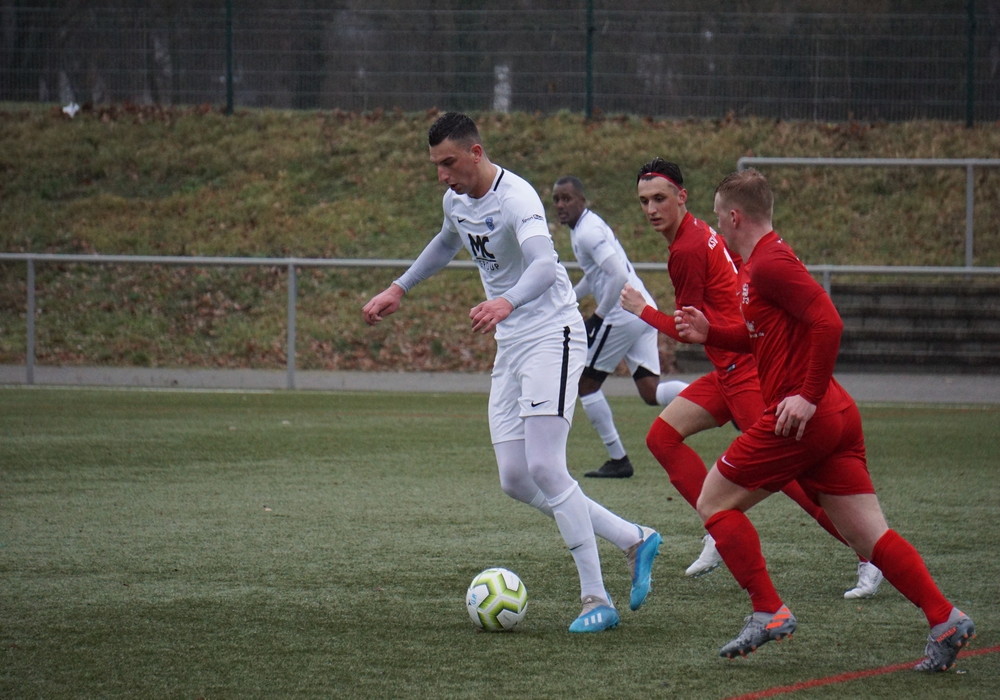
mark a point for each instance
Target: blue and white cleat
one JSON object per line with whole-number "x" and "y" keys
{"x": 640, "y": 562}
{"x": 598, "y": 615}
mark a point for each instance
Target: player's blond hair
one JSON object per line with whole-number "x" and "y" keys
{"x": 749, "y": 191}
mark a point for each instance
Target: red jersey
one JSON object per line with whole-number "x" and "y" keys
{"x": 703, "y": 274}
{"x": 793, "y": 325}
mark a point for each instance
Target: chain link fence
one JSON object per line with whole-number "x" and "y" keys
{"x": 829, "y": 61}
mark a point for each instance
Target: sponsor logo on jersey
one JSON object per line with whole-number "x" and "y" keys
{"x": 489, "y": 223}
{"x": 481, "y": 254}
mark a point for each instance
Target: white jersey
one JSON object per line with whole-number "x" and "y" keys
{"x": 593, "y": 243}
{"x": 492, "y": 229}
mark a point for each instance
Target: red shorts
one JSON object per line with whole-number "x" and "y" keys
{"x": 830, "y": 457}
{"x": 732, "y": 395}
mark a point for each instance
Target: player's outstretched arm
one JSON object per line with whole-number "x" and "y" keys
{"x": 382, "y": 304}
{"x": 435, "y": 256}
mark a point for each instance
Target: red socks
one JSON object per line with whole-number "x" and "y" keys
{"x": 687, "y": 472}
{"x": 738, "y": 543}
{"x": 683, "y": 465}
{"x": 905, "y": 569}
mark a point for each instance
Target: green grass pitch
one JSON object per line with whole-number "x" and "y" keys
{"x": 309, "y": 544}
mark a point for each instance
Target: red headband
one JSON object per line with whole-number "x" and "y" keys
{"x": 665, "y": 177}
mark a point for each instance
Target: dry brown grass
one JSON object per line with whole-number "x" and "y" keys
{"x": 131, "y": 180}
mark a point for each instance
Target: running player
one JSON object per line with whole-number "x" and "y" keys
{"x": 613, "y": 334}
{"x": 810, "y": 431}
{"x": 541, "y": 348}
{"x": 703, "y": 274}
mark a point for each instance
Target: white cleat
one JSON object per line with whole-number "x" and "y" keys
{"x": 869, "y": 579}
{"x": 709, "y": 559}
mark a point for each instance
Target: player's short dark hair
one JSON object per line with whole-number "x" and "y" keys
{"x": 573, "y": 181}
{"x": 658, "y": 166}
{"x": 454, "y": 126}
{"x": 750, "y": 191}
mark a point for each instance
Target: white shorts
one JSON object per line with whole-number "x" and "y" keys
{"x": 630, "y": 339}
{"x": 536, "y": 377}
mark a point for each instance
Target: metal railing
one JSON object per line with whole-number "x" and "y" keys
{"x": 968, "y": 163}
{"x": 291, "y": 264}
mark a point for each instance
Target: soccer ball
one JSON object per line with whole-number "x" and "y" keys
{"x": 496, "y": 600}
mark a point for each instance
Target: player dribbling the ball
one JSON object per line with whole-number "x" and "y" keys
{"x": 541, "y": 350}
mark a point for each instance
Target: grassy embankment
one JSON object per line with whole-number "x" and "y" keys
{"x": 332, "y": 185}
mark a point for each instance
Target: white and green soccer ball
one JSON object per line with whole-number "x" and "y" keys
{"x": 496, "y": 600}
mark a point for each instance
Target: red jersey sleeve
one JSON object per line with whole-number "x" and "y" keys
{"x": 733, "y": 338}
{"x": 784, "y": 282}
{"x": 826, "y": 328}
{"x": 661, "y": 322}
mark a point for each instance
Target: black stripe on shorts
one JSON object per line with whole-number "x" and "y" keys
{"x": 564, "y": 371}
{"x": 600, "y": 346}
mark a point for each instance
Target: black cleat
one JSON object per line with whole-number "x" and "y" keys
{"x": 613, "y": 469}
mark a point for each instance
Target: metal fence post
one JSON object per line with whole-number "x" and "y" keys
{"x": 970, "y": 67}
{"x": 293, "y": 293}
{"x": 30, "y": 330}
{"x": 229, "y": 56}
{"x": 969, "y": 240}
{"x": 590, "y": 60}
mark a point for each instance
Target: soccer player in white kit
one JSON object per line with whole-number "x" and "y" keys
{"x": 613, "y": 334}
{"x": 541, "y": 348}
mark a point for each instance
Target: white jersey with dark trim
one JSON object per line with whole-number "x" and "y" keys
{"x": 593, "y": 243}
{"x": 492, "y": 229}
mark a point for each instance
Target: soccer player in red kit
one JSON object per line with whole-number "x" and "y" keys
{"x": 703, "y": 275}
{"x": 810, "y": 431}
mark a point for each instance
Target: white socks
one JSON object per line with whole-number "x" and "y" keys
{"x": 572, "y": 514}
{"x": 599, "y": 413}
{"x": 668, "y": 391}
